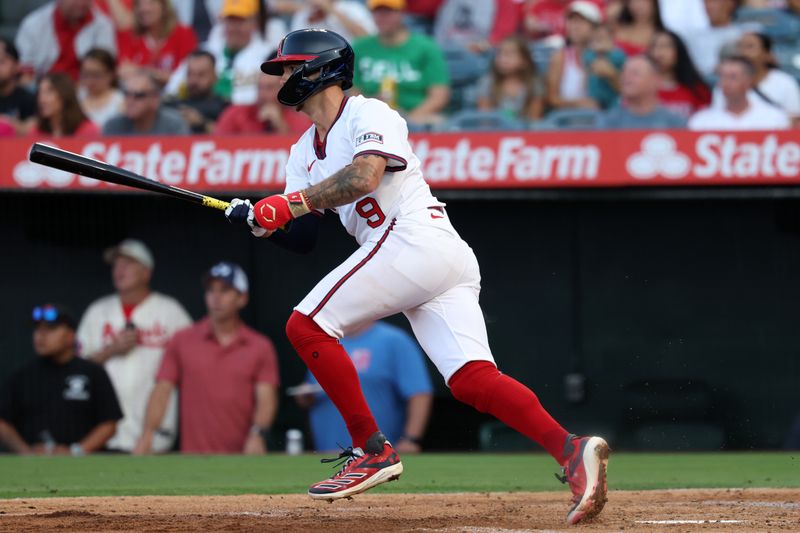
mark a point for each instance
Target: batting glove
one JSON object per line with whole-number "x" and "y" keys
{"x": 276, "y": 211}
{"x": 241, "y": 212}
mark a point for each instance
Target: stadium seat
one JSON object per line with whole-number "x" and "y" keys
{"x": 788, "y": 57}
{"x": 470, "y": 120}
{"x": 773, "y": 22}
{"x": 570, "y": 119}
{"x": 541, "y": 54}
{"x": 12, "y": 13}
{"x": 465, "y": 69}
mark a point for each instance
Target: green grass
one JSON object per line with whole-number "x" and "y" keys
{"x": 115, "y": 475}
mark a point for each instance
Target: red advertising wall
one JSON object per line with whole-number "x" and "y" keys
{"x": 506, "y": 160}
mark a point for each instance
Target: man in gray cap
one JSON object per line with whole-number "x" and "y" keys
{"x": 126, "y": 332}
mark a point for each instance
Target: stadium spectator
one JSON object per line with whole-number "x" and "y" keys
{"x": 270, "y": 27}
{"x": 200, "y": 15}
{"x": 513, "y": 85}
{"x": 404, "y": 69}
{"x": 126, "y": 332}
{"x": 636, "y": 25}
{"x": 603, "y": 61}
{"x": 706, "y": 45}
{"x": 156, "y": 43}
{"x": 119, "y": 11}
{"x": 200, "y": 107}
{"x": 771, "y": 83}
{"x": 639, "y": 107}
{"x": 683, "y": 16}
{"x": 264, "y": 116}
{"x": 57, "y": 403}
{"x": 58, "y": 112}
{"x": 566, "y": 75}
{"x": 391, "y": 369}
{"x": 144, "y": 113}
{"x": 238, "y": 56}
{"x": 739, "y": 111}
{"x": 545, "y": 19}
{"x": 349, "y": 18}
{"x": 17, "y": 105}
{"x": 683, "y": 90}
{"x": 55, "y": 36}
{"x": 98, "y": 93}
{"x": 477, "y": 26}
{"x": 226, "y": 372}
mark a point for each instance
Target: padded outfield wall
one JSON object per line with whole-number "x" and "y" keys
{"x": 678, "y": 302}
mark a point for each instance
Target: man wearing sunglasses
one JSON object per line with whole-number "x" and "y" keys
{"x": 144, "y": 114}
{"x": 58, "y": 403}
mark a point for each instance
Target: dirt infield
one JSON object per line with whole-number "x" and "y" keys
{"x": 730, "y": 510}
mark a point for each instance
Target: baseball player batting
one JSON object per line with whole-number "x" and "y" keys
{"x": 356, "y": 161}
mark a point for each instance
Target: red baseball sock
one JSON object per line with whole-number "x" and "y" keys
{"x": 335, "y": 372}
{"x": 481, "y": 385}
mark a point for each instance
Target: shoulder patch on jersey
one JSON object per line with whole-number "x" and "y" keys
{"x": 369, "y": 137}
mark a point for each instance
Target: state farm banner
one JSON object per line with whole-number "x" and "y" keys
{"x": 508, "y": 160}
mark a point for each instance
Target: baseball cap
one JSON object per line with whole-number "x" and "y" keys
{"x": 230, "y": 273}
{"x": 133, "y": 248}
{"x": 239, "y": 8}
{"x": 587, "y": 10}
{"x": 53, "y": 314}
{"x": 399, "y": 5}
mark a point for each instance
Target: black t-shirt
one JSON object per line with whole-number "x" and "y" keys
{"x": 20, "y": 104}
{"x": 45, "y": 400}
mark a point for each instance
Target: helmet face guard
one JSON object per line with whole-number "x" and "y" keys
{"x": 324, "y": 55}
{"x": 299, "y": 87}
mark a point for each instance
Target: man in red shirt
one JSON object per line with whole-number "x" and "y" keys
{"x": 226, "y": 373}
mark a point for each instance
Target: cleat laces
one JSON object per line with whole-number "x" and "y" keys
{"x": 347, "y": 456}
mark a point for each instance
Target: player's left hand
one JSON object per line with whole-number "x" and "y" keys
{"x": 276, "y": 211}
{"x": 241, "y": 212}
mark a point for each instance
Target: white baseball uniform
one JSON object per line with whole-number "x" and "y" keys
{"x": 410, "y": 258}
{"x": 156, "y": 319}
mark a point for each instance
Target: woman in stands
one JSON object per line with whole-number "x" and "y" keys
{"x": 58, "y": 112}
{"x": 98, "y": 93}
{"x": 772, "y": 84}
{"x": 683, "y": 90}
{"x": 513, "y": 85}
{"x": 157, "y": 42}
{"x": 566, "y": 74}
{"x": 636, "y": 25}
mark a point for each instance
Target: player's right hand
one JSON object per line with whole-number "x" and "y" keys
{"x": 241, "y": 212}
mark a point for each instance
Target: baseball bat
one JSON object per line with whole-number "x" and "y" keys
{"x": 92, "y": 168}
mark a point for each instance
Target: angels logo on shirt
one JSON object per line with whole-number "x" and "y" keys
{"x": 77, "y": 388}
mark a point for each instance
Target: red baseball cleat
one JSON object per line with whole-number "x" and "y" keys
{"x": 361, "y": 470}
{"x": 585, "y": 471}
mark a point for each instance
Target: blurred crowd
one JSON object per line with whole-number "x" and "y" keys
{"x": 136, "y": 375}
{"x": 177, "y": 67}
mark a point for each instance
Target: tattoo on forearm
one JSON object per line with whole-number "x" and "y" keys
{"x": 347, "y": 185}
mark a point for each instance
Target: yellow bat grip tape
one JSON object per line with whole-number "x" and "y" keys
{"x": 216, "y": 204}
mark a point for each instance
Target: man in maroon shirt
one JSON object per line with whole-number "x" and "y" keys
{"x": 226, "y": 373}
